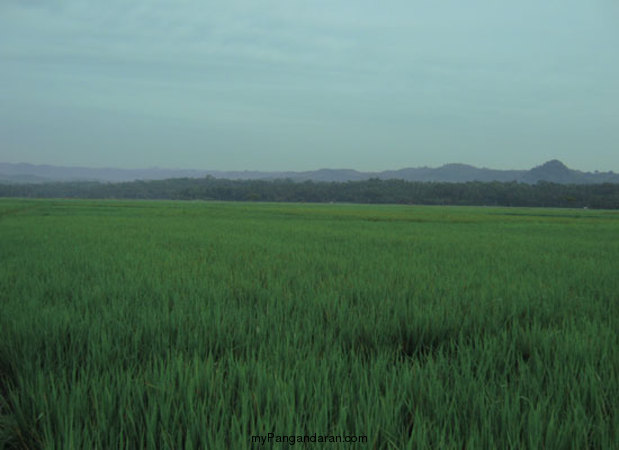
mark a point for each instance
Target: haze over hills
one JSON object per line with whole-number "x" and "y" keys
{"x": 552, "y": 171}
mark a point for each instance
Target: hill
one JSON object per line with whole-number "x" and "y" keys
{"x": 552, "y": 171}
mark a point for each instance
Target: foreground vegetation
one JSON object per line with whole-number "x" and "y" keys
{"x": 197, "y": 325}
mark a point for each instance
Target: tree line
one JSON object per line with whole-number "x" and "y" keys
{"x": 544, "y": 194}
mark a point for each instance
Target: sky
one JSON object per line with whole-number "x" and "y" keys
{"x": 303, "y": 85}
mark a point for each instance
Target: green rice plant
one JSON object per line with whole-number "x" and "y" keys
{"x": 129, "y": 324}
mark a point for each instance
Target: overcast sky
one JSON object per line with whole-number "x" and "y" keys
{"x": 300, "y": 85}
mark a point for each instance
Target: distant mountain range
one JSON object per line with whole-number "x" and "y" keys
{"x": 552, "y": 171}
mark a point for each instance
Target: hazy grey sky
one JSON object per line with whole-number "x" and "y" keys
{"x": 302, "y": 85}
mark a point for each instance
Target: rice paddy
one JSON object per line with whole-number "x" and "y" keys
{"x": 181, "y": 325}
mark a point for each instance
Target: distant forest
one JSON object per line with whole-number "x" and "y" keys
{"x": 544, "y": 194}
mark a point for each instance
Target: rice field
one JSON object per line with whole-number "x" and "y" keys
{"x": 182, "y": 325}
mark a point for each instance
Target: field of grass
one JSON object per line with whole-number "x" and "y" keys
{"x": 127, "y": 324}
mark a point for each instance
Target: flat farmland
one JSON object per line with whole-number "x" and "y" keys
{"x": 137, "y": 324}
